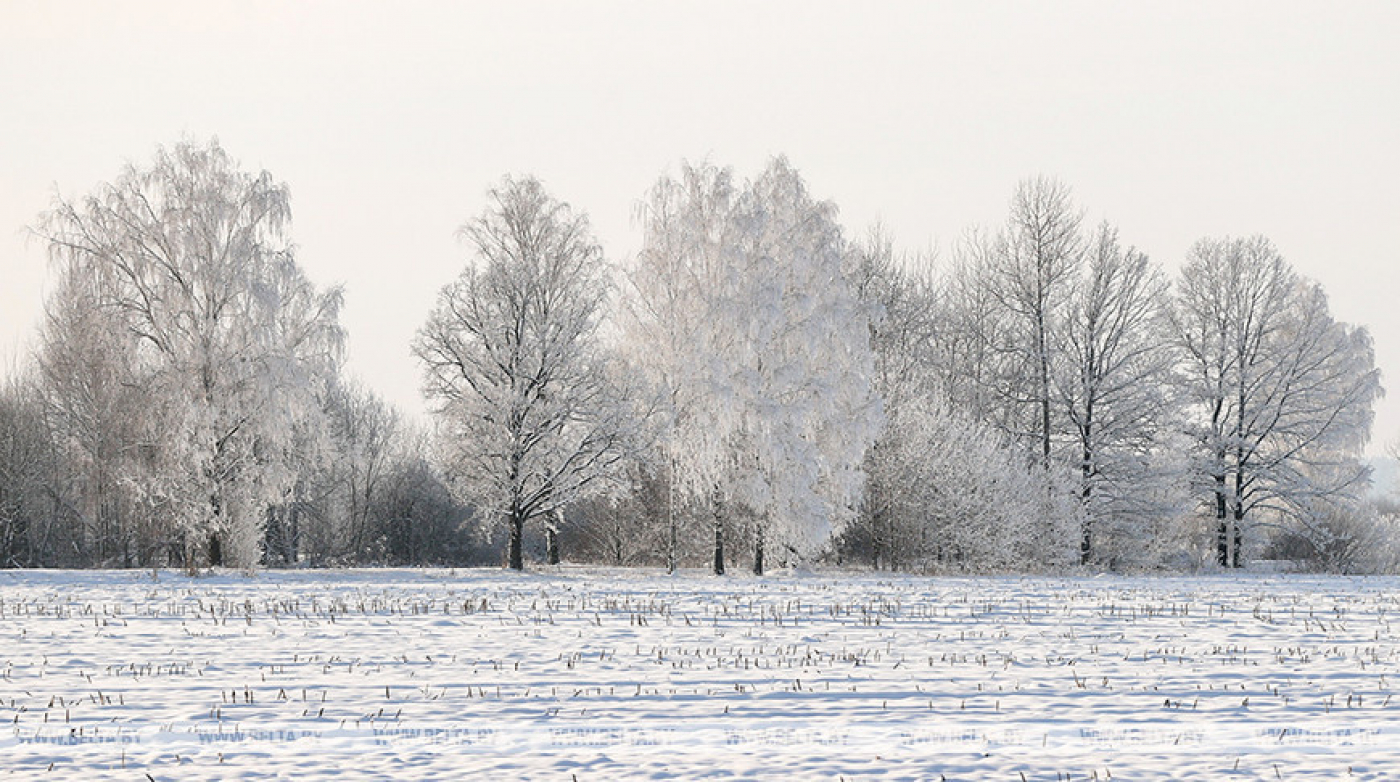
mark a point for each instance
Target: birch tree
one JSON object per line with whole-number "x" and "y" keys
{"x": 673, "y": 286}
{"x": 191, "y": 257}
{"x": 95, "y": 403}
{"x": 513, "y": 362}
{"x": 775, "y": 407}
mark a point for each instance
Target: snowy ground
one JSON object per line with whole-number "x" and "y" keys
{"x": 595, "y": 675}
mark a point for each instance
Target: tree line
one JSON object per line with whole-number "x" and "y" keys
{"x": 752, "y": 388}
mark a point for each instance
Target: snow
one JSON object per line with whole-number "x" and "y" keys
{"x": 607, "y": 674}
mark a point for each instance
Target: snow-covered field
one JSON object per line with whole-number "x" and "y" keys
{"x": 596, "y": 675}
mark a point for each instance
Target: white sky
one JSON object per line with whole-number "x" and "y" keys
{"x": 389, "y": 120}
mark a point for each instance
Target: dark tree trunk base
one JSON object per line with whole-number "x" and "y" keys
{"x": 718, "y": 507}
{"x": 516, "y": 557}
{"x": 758, "y": 555}
{"x": 719, "y": 548}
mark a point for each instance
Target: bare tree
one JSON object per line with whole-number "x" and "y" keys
{"x": 1281, "y": 392}
{"x": 30, "y": 474}
{"x": 513, "y": 361}
{"x": 1031, "y": 274}
{"x": 421, "y": 521}
{"x": 364, "y": 431}
{"x": 96, "y": 405}
{"x": 1113, "y": 384}
{"x": 979, "y": 368}
{"x": 907, "y": 333}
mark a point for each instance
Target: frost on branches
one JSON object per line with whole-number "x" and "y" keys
{"x": 1113, "y": 384}
{"x": 945, "y": 491}
{"x": 219, "y": 335}
{"x": 1280, "y": 392}
{"x": 527, "y": 397}
{"x": 747, "y": 322}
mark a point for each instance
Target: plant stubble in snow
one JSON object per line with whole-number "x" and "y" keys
{"x": 607, "y": 674}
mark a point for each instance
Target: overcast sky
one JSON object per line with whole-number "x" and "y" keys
{"x": 389, "y": 121}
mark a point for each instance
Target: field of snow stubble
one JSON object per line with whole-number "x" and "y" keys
{"x": 606, "y": 674}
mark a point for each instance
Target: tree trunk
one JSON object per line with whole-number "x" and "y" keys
{"x": 293, "y": 541}
{"x": 189, "y": 555}
{"x": 877, "y": 546}
{"x": 1239, "y": 512}
{"x": 1086, "y": 469}
{"x": 551, "y": 538}
{"x": 1222, "y": 524}
{"x": 516, "y": 557}
{"x": 719, "y": 532}
{"x": 878, "y": 530}
{"x": 1043, "y": 348}
{"x": 216, "y": 551}
{"x": 758, "y": 550}
{"x": 672, "y": 538}
{"x": 1086, "y": 549}
{"x": 672, "y": 560}
{"x": 1235, "y": 560}
{"x": 1045, "y": 413}
{"x": 1240, "y": 430}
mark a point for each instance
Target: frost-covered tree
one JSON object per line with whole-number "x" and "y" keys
{"x": 513, "y": 362}
{"x": 29, "y": 477}
{"x": 1112, "y": 387}
{"x": 364, "y": 432}
{"x": 227, "y": 338}
{"x": 1280, "y": 393}
{"x": 947, "y": 487}
{"x": 96, "y": 403}
{"x": 688, "y": 227}
{"x": 1007, "y": 297}
{"x": 421, "y": 521}
{"x": 977, "y": 367}
{"x": 960, "y": 495}
{"x": 765, "y": 360}
{"x": 14, "y": 527}
{"x": 907, "y": 339}
{"x": 1030, "y": 273}
{"x": 908, "y": 317}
